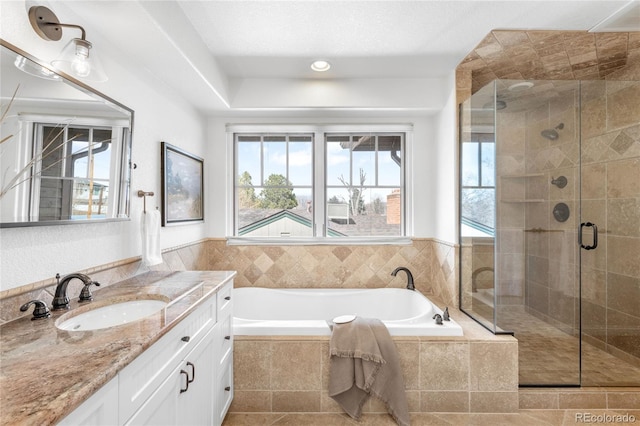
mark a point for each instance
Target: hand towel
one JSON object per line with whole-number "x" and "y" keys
{"x": 364, "y": 361}
{"x": 150, "y": 224}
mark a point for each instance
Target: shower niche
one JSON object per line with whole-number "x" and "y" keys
{"x": 550, "y": 226}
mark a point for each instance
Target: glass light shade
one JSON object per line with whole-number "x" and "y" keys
{"x": 30, "y": 67}
{"x": 79, "y": 60}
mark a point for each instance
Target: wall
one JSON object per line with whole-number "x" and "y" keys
{"x": 37, "y": 253}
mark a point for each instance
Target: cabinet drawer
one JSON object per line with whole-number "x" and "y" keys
{"x": 144, "y": 375}
{"x": 225, "y": 299}
{"x": 224, "y": 339}
{"x": 224, "y": 390}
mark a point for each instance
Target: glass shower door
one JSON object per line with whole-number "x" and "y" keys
{"x": 610, "y": 255}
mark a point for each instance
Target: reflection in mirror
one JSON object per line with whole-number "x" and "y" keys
{"x": 64, "y": 150}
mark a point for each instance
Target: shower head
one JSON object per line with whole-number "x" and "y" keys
{"x": 552, "y": 134}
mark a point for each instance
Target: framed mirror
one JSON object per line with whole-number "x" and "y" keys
{"x": 65, "y": 148}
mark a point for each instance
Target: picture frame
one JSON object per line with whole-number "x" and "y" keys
{"x": 182, "y": 186}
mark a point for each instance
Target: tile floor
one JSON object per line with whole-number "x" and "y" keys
{"x": 559, "y": 362}
{"x": 521, "y": 418}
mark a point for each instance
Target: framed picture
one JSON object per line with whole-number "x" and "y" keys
{"x": 182, "y": 186}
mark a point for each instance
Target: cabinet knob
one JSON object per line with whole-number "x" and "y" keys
{"x": 228, "y": 388}
{"x": 227, "y": 337}
{"x": 186, "y": 338}
{"x": 227, "y": 298}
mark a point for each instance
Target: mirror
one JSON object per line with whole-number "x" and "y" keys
{"x": 65, "y": 148}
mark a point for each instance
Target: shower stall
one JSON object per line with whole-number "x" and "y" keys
{"x": 550, "y": 226}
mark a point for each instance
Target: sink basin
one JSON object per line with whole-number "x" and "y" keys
{"x": 111, "y": 315}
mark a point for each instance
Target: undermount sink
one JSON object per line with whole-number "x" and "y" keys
{"x": 111, "y": 315}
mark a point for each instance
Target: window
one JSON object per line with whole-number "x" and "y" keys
{"x": 74, "y": 172}
{"x": 478, "y": 182}
{"x": 319, "y": 184}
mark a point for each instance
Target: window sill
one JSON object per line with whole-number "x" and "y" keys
{"x": 318, "y": 241}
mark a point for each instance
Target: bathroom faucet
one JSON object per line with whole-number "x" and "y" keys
{"x": 410, "y": 285}
{"x": 61, "y": 301}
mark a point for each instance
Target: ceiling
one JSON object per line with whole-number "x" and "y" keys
{"x": 226, "y": 56}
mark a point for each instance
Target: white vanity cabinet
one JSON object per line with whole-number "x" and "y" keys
{"x": 186, "y": 396}
{"x": 100, "y": 409}
{"x": 223, "y": 390}
{"x": 185, "y": 378}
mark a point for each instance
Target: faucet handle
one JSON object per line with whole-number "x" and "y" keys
{"x": 40, "y": 312}
{"x": 85, "y": 294}
{"x": 445, "y": 314}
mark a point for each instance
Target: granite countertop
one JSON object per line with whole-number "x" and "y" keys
{"x": 45, "y": 373}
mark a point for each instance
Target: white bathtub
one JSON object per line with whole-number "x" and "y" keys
{"x": 276, "y": 312}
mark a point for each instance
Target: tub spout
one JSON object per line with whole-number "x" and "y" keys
{"x": 410, "y": 285}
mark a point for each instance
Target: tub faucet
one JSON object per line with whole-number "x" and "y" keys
{"x": 61, "y": 301}
{"x": 410, "y": 285}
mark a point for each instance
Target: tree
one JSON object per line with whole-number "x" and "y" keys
{"x": 356, "y": 197}
{"x": 277, "y": 193}
{"x": 247, "y": 198}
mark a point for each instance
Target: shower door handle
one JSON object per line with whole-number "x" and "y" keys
{"x": 595, "y": 235}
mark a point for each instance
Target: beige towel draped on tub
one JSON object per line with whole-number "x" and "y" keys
{"x": 364, "y": 362}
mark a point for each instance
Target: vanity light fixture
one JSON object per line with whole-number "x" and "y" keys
{"x": 320, "y": 66}
{"x": 76, "y": 58}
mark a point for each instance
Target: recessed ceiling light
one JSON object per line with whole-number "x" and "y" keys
{"x": 320, "y": 66}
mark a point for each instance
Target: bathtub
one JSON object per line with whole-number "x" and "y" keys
{"x": 276, "y": 312}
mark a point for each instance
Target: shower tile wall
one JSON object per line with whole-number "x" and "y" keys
{"x": 611, "y": 199}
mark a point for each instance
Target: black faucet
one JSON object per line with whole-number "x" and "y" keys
{"x": 410, "y": 285}
{"x": 61, "y": 301}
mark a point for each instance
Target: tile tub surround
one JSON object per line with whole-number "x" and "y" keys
{"x": 40, "y": 378}
{"x": 474, "y": 373}
{"x": 432, "y": 262}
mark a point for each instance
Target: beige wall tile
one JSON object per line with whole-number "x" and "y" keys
{"x": 296, "y": 366}
{"x": 296, "y": 401}
{"x": 448, "y": 366}
{"x": 252, "y": 365}
{"x": 444, "y": 401}
{"x": 493, "y": 366}
{"x": 623, "y": 178}
{"x": 250, "y": 401}
{"x": 538, "y": 400}
{"x": 623, "y": 400}
{"x": 623, "y": 108}
{"x": 622, "y": 255}
{"x": 493, "y": 402}
{"x": 582, "y": 400}
{"x": 409, "y": 354}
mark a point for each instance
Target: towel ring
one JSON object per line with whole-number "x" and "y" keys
{"x": 144, "y": 195}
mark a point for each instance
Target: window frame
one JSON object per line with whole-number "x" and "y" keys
{"x": 319, "y": 184}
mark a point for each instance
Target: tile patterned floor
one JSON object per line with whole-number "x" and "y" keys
{"x": 559, "y": 362}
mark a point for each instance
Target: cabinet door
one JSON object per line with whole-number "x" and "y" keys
{"x": 197, "y": 403}
{"x": 100, "y": 409}
{"x": 163, "y": 406}
{"x": 224, "y": 390}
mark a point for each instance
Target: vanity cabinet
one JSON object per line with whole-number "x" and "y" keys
{"x": 185, "y": 378}
{"x": 100, "y": 409}
{"x": 186, "y": 396}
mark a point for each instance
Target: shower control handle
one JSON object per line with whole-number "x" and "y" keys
{"x": 595, "y": 236}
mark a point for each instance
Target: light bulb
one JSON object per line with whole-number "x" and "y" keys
{"x": 81, "y": 67}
